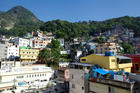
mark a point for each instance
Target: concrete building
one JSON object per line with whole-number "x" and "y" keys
{"x": 105, "y": 81}
{"x": 135, "y": 62}
{"x": 21, "y": 41}
{"x": 7, "y": 65}
{"x": 40, "y": 43}
{"x": 103, "y": 47}
{"x": 76, "y": 75}
{"x": 25, "y": 77}
{"x": 49, "y": 36}
{"x": 111, "y": 86}
{"x": 114, "y": 63}
{"x": 76, "y": 82}
{"x": 28, "y": 54}
{"x": 3, "y": 49}
{"x": 12, "y": 51}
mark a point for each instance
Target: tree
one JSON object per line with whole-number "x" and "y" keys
{"x": 100, "y": 40}
{"x": 45, "y": 56}
{"x": 50, "y": 56}
{"x": 55, "y": 50}
{"x": 127, "y": 48}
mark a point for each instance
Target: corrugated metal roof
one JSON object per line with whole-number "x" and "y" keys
{"x": 122, "y": 57}
{"x": 82, "y": 64}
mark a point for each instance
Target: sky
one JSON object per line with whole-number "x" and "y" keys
{"x": 76, "y": 10}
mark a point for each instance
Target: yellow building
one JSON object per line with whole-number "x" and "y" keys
{"x": 114, "y": 63}
{"x": 28, "y": 54}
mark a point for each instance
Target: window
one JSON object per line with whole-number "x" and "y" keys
{"x": 110, "y": 48}
{"x": 114, "y": 48}
{"x": 73, "y": 85}
{"x": 19, "y": 76}
{"x": 122, "y": 61}
{"x": 82, "y": 88}
{"x": 105, "y": 48}
{"x": 83, "y": 59}
{"x": 137, "y": 66}
{"x": 113, "y": 60}
{"x": 72, "y": 76}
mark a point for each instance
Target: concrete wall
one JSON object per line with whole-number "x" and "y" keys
{"x": 77, "y": 82}
{"x": 3, "y": 49}
{"x": 102, "y": 88}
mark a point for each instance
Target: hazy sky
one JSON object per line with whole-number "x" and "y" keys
{"x": 76, "y": 10}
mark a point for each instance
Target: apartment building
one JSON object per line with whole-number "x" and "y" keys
{"x": 28, "y": 54}
{"x": 101, "y": 48}
{"x": 40, "y": 43}
{"x": 21, "y": 41}
{"x": 109, "y": 61}
{"x": 3, "y": 49}
{"x": 25, "y": 77}
{"x": 12, "y": 51}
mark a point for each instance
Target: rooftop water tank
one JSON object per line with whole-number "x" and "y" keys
{"x": 108, "y": 53}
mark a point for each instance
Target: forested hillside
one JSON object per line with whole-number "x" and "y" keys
{"x": 69, "y": 30}
{"x": 19, "y": 20}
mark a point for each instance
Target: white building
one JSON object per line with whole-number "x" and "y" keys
{"x": 21, "y": 41}
{"x": 12, "y": 51}
{"x": 36, "y": 76}
{"x": 3, "y": 49}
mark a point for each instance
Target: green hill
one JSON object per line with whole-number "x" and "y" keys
{"x": 18, "y": 20}
{"x": 67, "y": 30}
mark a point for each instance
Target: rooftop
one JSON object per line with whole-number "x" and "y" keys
{"x": 118, "y": 56}
{"x": 82, "y": 64}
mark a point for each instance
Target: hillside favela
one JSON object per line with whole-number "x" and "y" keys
{"x": 69, "y": 46}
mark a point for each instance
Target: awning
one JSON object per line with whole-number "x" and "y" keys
{"x": 101, "y": 71}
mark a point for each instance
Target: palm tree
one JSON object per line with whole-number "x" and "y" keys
{"x": 45, "y": 56}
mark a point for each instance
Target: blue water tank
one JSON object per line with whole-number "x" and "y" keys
{"x": 108, "y": 53}
{"x": 21, "y": 84}
{"x": 91, "y": 47}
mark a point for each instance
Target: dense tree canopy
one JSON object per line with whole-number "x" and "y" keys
{"x": 100, "y": 40}
{"x": 50, "y": 56}
{"x": 127, "y": 48}
{"x": 68, "y": 30}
